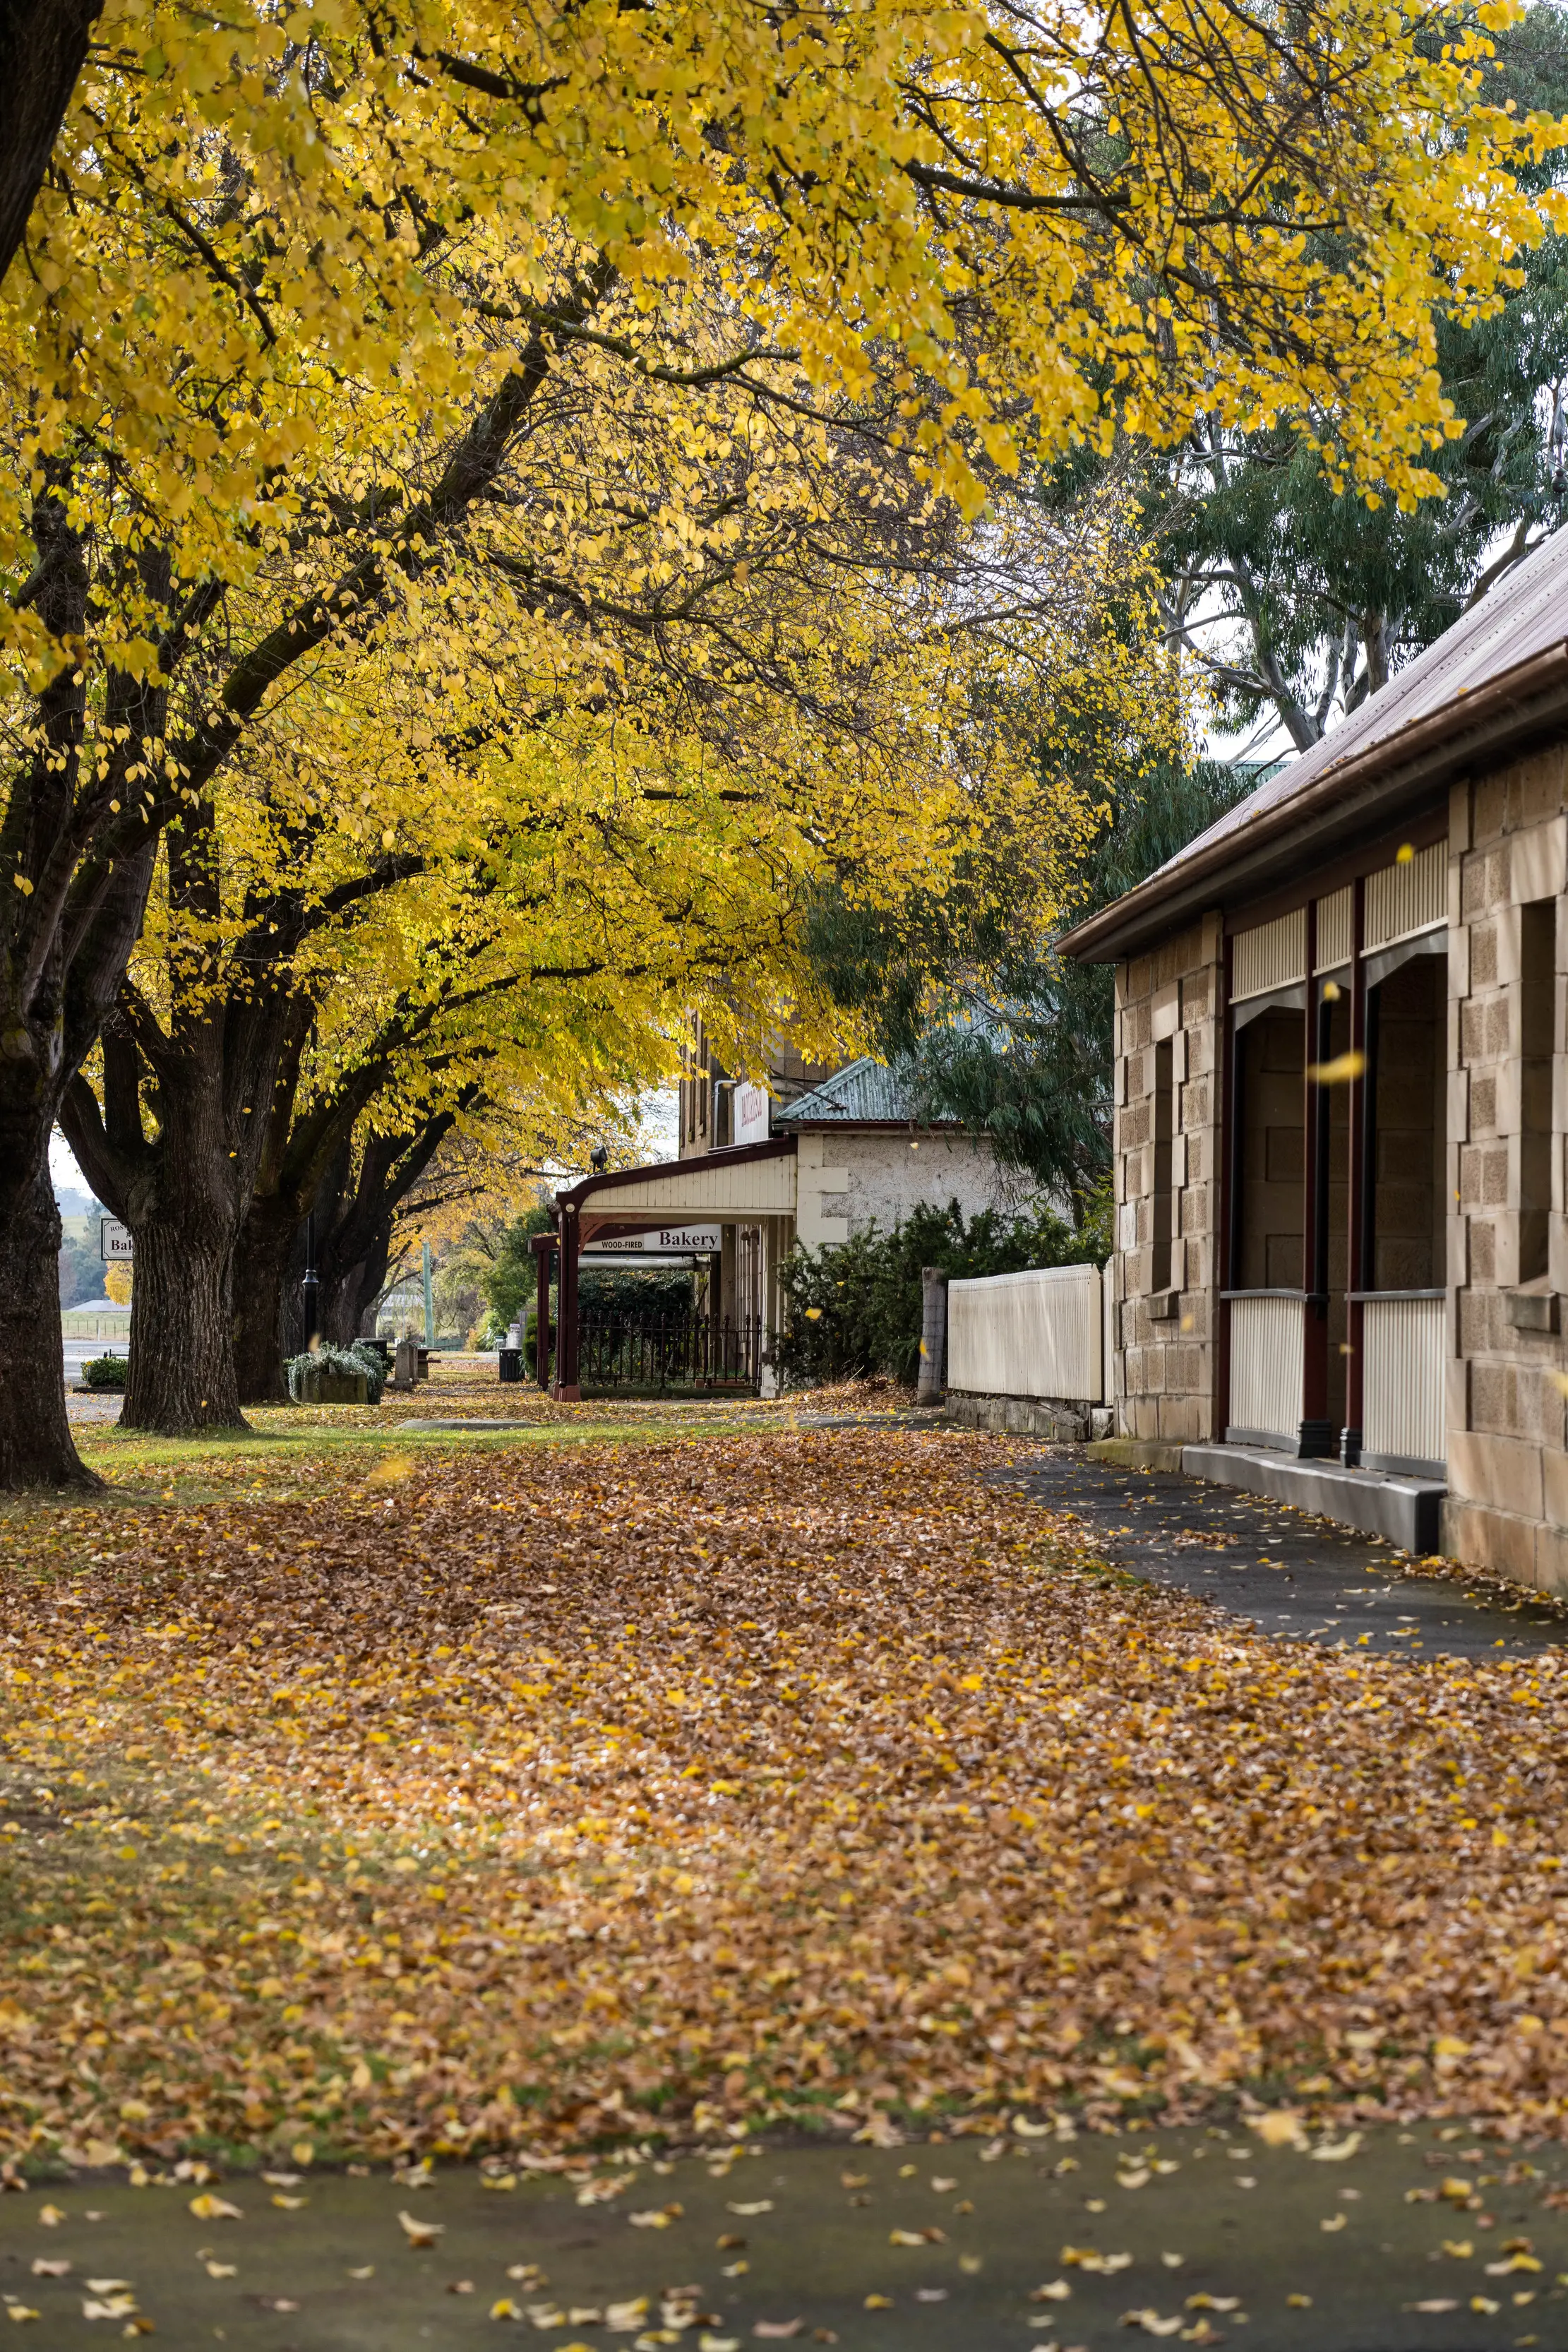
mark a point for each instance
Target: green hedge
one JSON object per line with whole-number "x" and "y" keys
{"x": 854, "y": 1309}
{"x": 104, "y": 1372}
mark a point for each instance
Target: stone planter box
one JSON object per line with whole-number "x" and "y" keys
{"x": 334, "y": 1388}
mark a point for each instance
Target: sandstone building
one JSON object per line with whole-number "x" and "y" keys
{"x": 1341, "y": 1100}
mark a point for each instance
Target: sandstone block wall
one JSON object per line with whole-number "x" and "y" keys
{"x": 1508, "y": 1113}
{"x": 1165, "y": 1337}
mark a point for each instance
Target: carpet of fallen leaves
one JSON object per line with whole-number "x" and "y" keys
{"x": 565, "y": 1792}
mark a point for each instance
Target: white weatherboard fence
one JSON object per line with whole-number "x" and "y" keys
{"x": 1040, "y": 1334}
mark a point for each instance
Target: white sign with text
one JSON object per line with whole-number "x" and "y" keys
{"x": 114, "y": 1239}
{"x": 693, "y": 1239}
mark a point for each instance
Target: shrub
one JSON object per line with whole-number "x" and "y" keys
{"x": 104, "y": 1372}
{"x": 855, "y": 1307}
{"x": 345, "y": 1361}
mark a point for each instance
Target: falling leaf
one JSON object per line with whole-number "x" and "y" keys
{"x": 1336, "y": 2152}
{"x": 21, "y": 2311}
{"x": 1057, "y": 2292}
{"x": 44, "y": 2268}
{"x": 1334, "y": 2222}
{"x": 783, "y": 2327}
{"x": 367, "y": 2271}
{"x": 1298, "y": 2301}
{"x": 1340, "y": 1071}
{"x": 289, "y": 2204}
{"x": 1280, "y": 2127}
{"x": 1151, "y": 2322}
{"x": 421, "y": 2234}
{"x": 875, "y": 2303}
{"x": 51, "y": 2216}
{"x": 222, "y": 2270}
{"x": 762, "y": 2205}
{"x": 208, "y": 2208}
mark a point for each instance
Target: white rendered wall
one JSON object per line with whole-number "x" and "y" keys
{"x": 1040, "y": 1334}
{"x": 848, "y": 1179}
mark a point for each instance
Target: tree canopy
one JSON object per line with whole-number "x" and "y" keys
{"x": 642, "y": 400}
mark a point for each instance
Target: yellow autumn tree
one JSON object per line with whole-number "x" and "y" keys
{"x": 271, "y": 237}
{"x": 582, "y": 769}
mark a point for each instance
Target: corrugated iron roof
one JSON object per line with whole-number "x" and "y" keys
{"x": 863, "y": 1093}
{"x": 1524, "y": 615}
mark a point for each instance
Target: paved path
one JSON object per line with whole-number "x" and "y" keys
{"x": 1289, "y": 1573}
{"x": 1418, "y": 2241}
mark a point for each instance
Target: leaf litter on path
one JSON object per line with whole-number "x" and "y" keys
{"x": 555, "y": 1796}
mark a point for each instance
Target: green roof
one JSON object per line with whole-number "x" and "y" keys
{"x": 866, "y": 1093}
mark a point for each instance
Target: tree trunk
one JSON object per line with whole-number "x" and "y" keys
{"x": 261, "y": 1264}
{"x": 181, "y": 1192}
{"x": 42, "y": 45}
{"x": 180, "y": 1376}
{"x": 36, "y": 1447}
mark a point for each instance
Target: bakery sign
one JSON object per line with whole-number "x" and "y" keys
{"x": 686, "y": 1241}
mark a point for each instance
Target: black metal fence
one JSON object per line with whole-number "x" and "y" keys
{"x": 691, "y": 1352}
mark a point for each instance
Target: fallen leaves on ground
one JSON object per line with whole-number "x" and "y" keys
{"x": 565, "y": 1791}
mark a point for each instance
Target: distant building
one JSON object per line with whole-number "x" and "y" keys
{"x": 815, "y": 1156}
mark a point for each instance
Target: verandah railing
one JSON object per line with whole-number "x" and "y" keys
{"x": 686, "y": 1352}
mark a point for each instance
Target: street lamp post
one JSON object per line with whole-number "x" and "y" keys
{"x": 309, "y": 1287}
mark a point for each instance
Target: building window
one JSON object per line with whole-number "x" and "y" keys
{"x": 1537, "y": 989}
{"x": 1165, "y": 1060}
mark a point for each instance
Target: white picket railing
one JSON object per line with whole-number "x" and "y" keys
{"x": 1404, "y": 1340}
{"x": 1266, "y": 1364}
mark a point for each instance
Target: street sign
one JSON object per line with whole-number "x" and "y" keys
{"x": 687, "y": 1239}
{"x": 114, "y": 1239}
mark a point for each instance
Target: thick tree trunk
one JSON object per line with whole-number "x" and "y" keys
{"x": 261, "y": 1264}
{"x": 346, "y": 1308}
{"x": 36, "y": 1447}
{"x": 180, "y": 1376}
{"x": 42, "y": 45}
{"x": 183, "y": 1194}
